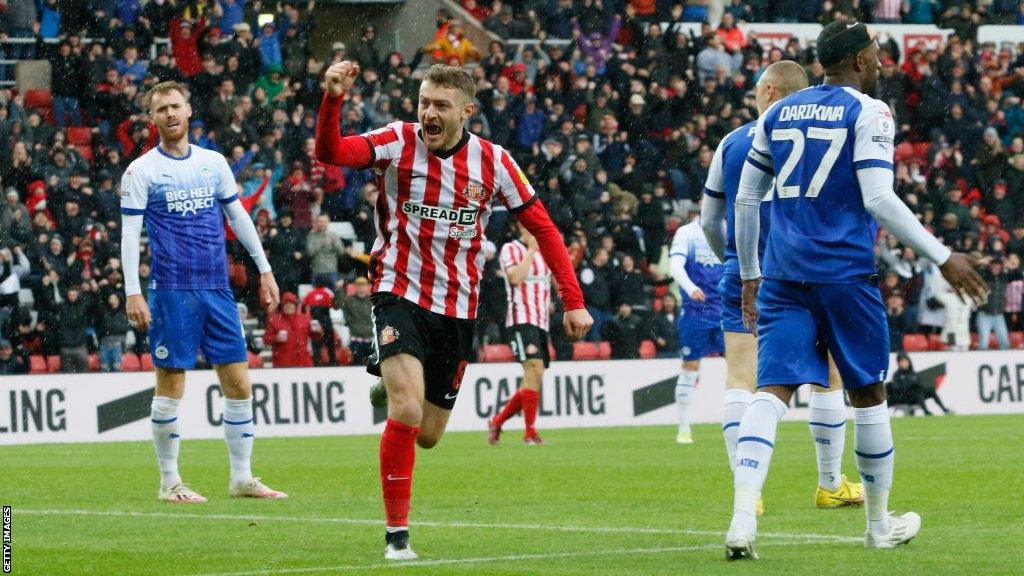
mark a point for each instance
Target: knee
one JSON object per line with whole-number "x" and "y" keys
{"x": 427, "y": 440}
{"x": 868, "y": 396}
{"x": 406, "y": 408}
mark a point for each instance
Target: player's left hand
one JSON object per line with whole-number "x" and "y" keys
{"x": 750, "y": 288}
{"x": 577, "y": 323}
{"x": 270, "y": 295}
{"x": 698, "y": 295}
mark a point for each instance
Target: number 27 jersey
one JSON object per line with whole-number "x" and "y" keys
{"x": 814, "y": 142}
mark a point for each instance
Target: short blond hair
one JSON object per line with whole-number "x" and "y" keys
{"x": 452, "y": 77}
{"x": 786, "y": 76}
{"x": 164, "y": 88}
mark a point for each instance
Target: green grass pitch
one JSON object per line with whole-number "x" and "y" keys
{"x": 591, "y": 502}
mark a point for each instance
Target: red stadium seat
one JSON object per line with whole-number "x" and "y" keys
{"x": 146, "y": 361}
{"x": 648, "y": 350}
{"x": 915, "y": 343}
{"x": 80, "y": 136}
{"x": 53, "y": 363}
{"x": 496, "y": 353}
{"x": 37, "y": 364}
{"x": 38, "y": 98}
{"x": 936, "y": 343}
{"x": 255, "y": 361}
{"x": 130, "y": 363}
{"x": 1017, "y": 340}
{"x": 585, "y": 351}
{"x": 604, "y": 350}
{"x": 94, "y": 362}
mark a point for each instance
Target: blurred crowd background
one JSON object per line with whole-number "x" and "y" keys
{"x": 611, "y": 109}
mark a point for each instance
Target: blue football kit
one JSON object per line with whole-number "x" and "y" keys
{"x": 820, "y": 290}
{"x": 700, "y": 331}
{"x": 193, "y": 308}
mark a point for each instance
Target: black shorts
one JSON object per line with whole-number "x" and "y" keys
{"x": 529, "y": 342}
{"x": 441, "y": 343}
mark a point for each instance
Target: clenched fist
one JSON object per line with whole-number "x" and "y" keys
{"x": 340, "y": 77}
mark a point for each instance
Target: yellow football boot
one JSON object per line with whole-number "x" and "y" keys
{"x": 848, "y": 494}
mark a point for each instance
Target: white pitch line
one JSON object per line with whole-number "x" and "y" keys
{"x": 431, "y": 524}
{"x": 450, "y": 561}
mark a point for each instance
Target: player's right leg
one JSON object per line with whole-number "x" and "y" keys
{"x": 170, "y": 388}
{"x": 173, "y": 340}
{"x": 740, "y": 385}
{"x": 403, "y": 376}
{"x": 400, "y": 349}
{"x": 787, "y": 357}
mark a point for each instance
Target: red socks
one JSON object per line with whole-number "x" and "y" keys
{"x": 513, "y": 407}
{"x": 525, "y": 400}
{"x": 397, "y": 457}
{"x": 530, "y": 400}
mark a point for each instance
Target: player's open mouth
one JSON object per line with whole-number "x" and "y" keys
{"x": 433, "y": 130}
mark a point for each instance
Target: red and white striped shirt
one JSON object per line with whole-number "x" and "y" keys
{"x": 528, "y": 302}
{"x": 432, "y": 212}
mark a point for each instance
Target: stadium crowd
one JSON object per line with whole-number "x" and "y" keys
{"x": 615, "y": 128}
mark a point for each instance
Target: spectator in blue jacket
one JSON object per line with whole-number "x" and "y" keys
{"x": 270, "y": 46}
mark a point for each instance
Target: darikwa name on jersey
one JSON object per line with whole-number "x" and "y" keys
{"x": 812, "y": 112}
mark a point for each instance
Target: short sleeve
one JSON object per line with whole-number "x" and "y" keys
{"x": 510, "y": 256}
{"x": 713, "y": 187}
{"x": 386, "y": 142}
{"x": 873, "y": 135}
{"x": 513, "y": 187}
{"x": 760, "y": 155}
{"x": 681, "y": 241}
{"x": 134, "y": 192}
{"x": 227, "y": 190}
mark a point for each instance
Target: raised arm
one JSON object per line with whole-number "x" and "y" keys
{"x": 331, "y": 147}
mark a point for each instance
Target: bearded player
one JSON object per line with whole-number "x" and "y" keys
{"x": 437, "y": 184}
{"x": 182, "y": 194}
{"x": 827, "y": 420}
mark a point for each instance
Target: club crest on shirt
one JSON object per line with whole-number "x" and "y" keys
{"x": 474, "y": 193}
{"x": 388, "y": 335}
{"x": 161, "y": 352}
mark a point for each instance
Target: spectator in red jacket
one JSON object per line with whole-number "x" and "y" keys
{"x": 184, "y": 43}
{"x": 288, "y": 335}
